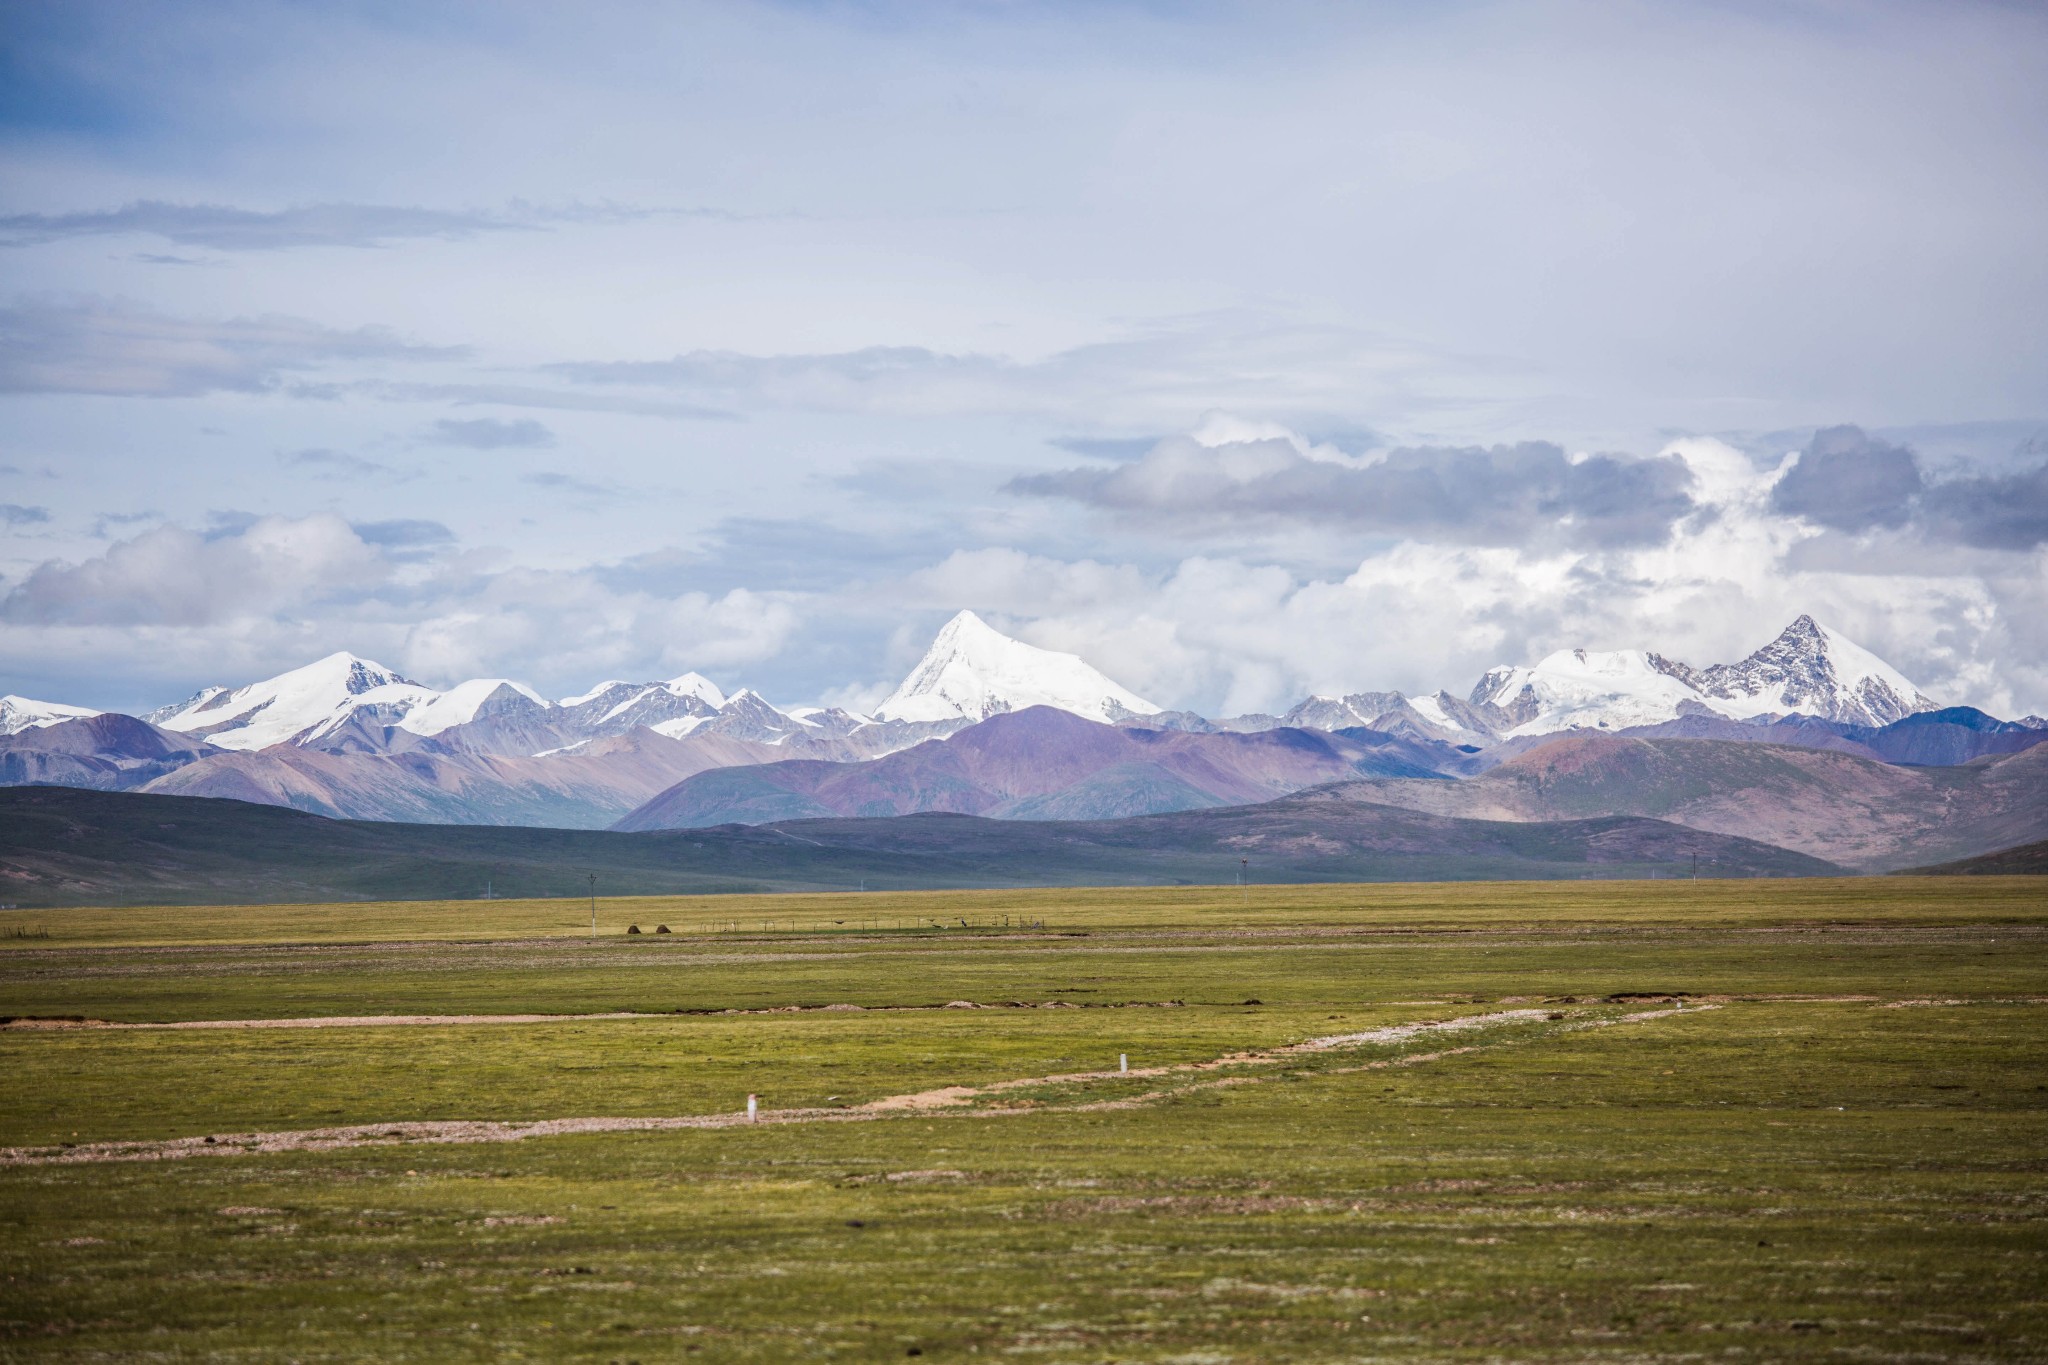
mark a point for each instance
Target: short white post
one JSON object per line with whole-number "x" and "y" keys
{"x": 1123, "y": 1061}
{"x": 753, "y": 1108}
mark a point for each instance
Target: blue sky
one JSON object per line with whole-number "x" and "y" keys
{"x": 1248, "y": 350}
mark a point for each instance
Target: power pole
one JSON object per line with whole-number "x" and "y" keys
{"x": 593, "y": 907}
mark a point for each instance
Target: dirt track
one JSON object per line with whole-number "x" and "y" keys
{"x": 950, "y": 1101}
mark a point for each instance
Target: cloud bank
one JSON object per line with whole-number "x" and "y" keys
{"x": 1505, "y": 495}
{"x": 1847, "y": 481}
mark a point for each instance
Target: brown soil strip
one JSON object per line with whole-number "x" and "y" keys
{"x": 949, "y": 1101}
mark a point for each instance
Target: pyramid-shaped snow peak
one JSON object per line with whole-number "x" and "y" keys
{"x": 974, "y": 671}
{"x": 1812, "y": 670}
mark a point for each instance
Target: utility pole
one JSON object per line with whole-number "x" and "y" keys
{"x": 593, "y": 907}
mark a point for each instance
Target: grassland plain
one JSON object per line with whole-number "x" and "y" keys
{"x": 1837, "y": 1150}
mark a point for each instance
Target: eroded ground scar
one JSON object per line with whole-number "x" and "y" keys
{"x": 953, "y": 1101}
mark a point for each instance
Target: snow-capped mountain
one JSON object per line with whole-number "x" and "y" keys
{"x": 345, "y": 704}
{"x": 974, "y": 671}
{"x": 1584, "y": 689}
{"x": 298, "y": 707}
{"x": 26, "y": 713}
{"x": 1809, "y": 670}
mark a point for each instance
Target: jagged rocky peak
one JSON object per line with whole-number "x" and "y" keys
{"x": 974, "y": 671}
{"x": 1807, "y": 670}
{"x": 1812, "y": 670}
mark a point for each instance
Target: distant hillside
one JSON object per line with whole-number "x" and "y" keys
{"x": 1042, "y": 764}
{"x": 585, "y": 789}
{"x": 2028, "y": 860}
{"x": 1850, "y": 810}
{"x": 62, "y": 846}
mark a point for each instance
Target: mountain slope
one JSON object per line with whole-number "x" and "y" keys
{"x": 973, "y": 671}
{"x": 107, "y": 751}
{"x": 1837, "y": 806}
{"x": 1039, "y": 763}
{"x": 2028, "y": 860}
{"x": 61, "y": 846}
{"x": 585, "y": 789}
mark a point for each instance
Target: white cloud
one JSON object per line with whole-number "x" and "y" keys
{"x": 234, "y": 606}
{"x": 170, "y": 576}
{"x": 1226, "y": 634}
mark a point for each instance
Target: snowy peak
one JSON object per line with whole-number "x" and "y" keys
{"x": 698, "y": 686}
{"x": 477, "y": 699}
{"x": 298, "y": 706}
{"x": 1814, "y": 671}
{"x": 1808, "y": 670}
{"x": 1584, "y": 689}
{"x": 974, "y": 671}
{"x": 26, "y": 713}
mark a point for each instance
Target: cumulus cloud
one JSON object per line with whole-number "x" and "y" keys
{"x": 1502, "y": 495}
{"x": 1991, "y": 512}
{"x": 1849, "y": 481}
{"x": 1226, "y": 634}
{"x": 570, "y": 628}
{"x": 489, "y": 433}
{"x": 246, "y": 599}
{"x": 171, "y": 576}
{"x": 115, "y": 347}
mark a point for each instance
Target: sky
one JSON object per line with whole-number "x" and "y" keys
{"x": 1250, "y": 351}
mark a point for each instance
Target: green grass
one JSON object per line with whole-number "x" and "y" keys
{"x": 1921, "y": 900}
{"x": 1816, "y": 1168}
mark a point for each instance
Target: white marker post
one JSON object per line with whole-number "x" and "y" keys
{"x": 753, "y": 1108}
{"x": 1123, "y": 1061}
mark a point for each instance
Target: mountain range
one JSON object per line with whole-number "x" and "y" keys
{"x": 989, "y": 726}
{"x": 63, "y": 846}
